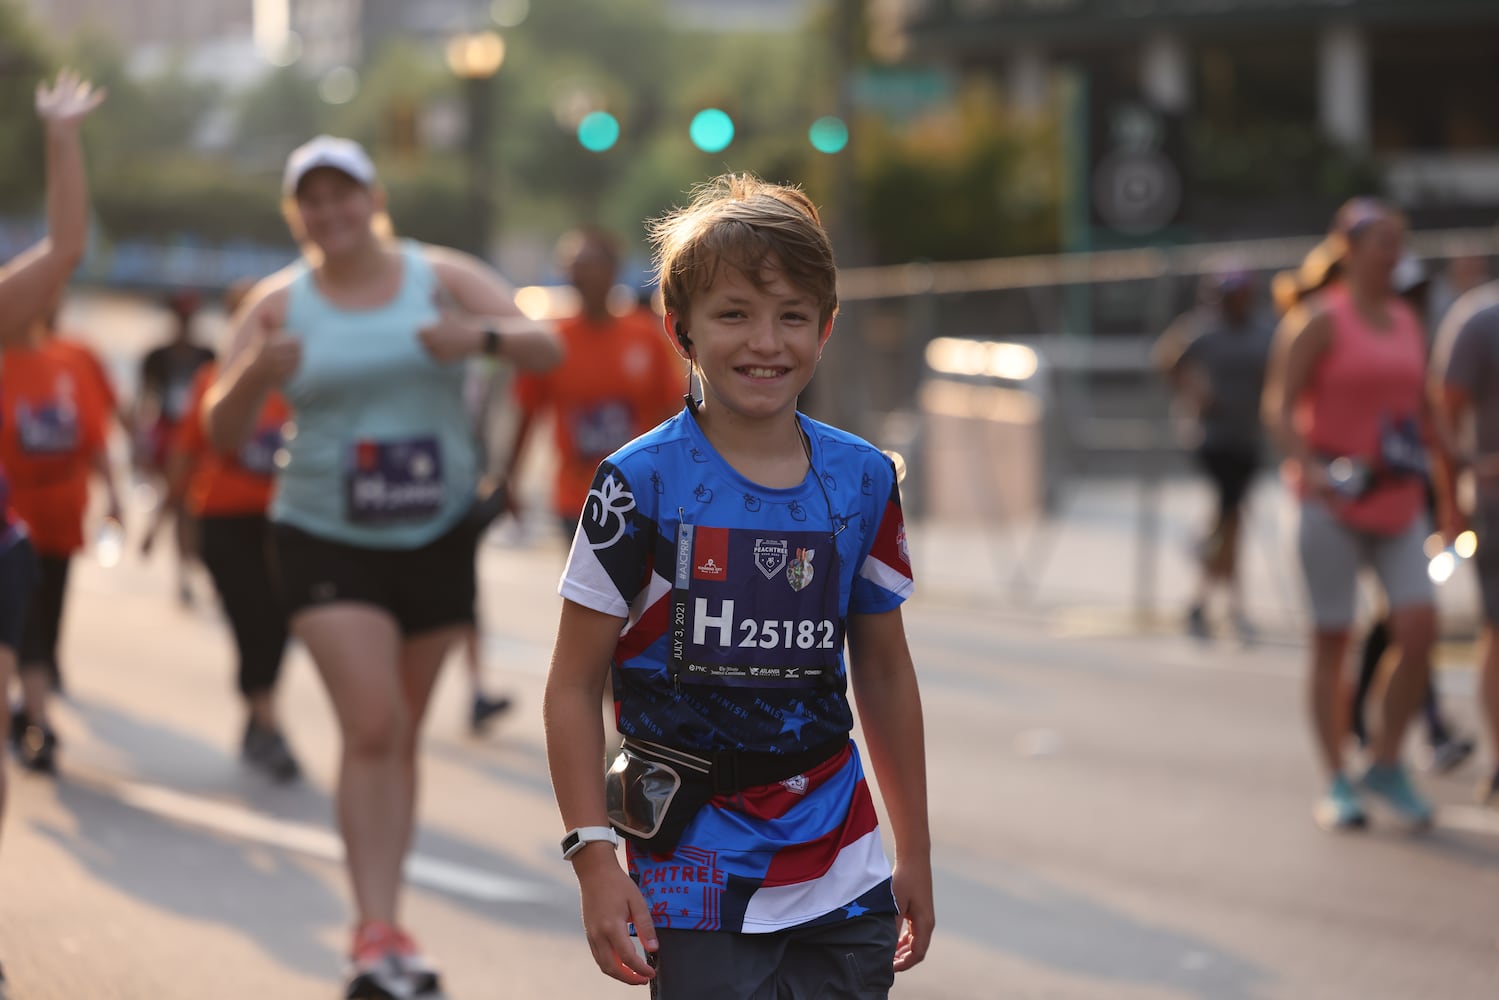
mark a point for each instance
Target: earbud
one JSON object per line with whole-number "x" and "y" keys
{"x": 682, "y": 337}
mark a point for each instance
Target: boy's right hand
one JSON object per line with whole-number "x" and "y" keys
{"x": 611, "y": 902}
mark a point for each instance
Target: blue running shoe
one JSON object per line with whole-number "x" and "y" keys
{"x": 1389, "y": 783}
{"x": 1340, "y": 809}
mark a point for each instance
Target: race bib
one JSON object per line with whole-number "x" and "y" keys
{"x": 755, "y": 608}
{"x": 258, "y": 455}
{"x": 50, "y": 429}
{"x": 394, "y": 482}
{"x": 602, "y": 428}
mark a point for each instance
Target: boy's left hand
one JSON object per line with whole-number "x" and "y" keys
{"x": 912, "y": 883}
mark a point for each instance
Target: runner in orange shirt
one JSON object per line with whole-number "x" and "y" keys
{"x": 228, "y": 494}
{"x": 618, "y": 379}
{"x": 53, "y": 431}
{"x": 29, "y": 283}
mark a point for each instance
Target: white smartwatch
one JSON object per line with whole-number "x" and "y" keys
{"x": 580, "y": 837}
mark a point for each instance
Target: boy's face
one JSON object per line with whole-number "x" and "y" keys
{"x": 756, "y": 349}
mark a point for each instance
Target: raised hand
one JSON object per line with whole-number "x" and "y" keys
{"x": 69, "y": 100}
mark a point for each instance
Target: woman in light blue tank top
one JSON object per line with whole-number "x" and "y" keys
{"x": 374, "y": 538}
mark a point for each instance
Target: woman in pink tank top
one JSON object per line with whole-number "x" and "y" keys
{"x": 1345, "y": 401}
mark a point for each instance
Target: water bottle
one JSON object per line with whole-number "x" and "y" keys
{"x": 109, "y": 542}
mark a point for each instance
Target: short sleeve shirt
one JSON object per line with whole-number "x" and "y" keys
{"x": 1466, "y": 356}
{"x": 617, "y": 380}
{"x": 1233, "y": 360}
{"x": 746, "y": 580}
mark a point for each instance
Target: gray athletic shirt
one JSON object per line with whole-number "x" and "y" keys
{"x": 1466, "y": 354}
{"x": 1233, "y": 360}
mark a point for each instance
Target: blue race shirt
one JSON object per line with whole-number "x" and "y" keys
{"x": 383, "y": 453}
{"x": 735, "y": 598}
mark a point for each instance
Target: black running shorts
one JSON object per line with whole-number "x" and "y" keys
{"x": 1232, "y": 472}
{"x": 17, "y": 578}
{"x": 425, "y": 588}
{"x": 850, "y": 958}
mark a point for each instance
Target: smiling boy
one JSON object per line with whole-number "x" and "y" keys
{"x": 722, "y": 561}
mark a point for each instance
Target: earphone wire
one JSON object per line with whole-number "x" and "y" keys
{"x": 835, "y": 527}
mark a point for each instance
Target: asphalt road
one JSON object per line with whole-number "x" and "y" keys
{"x": 1116, "y": 812}
{"x": 1122, "y": 817}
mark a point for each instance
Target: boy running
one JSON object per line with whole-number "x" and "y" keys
{"x": 720, "y": 563}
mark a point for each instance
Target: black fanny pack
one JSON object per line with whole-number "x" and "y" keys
{"x": 652, "y": 791}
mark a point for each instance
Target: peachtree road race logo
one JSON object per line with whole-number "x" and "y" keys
{"x": 771, "y": 556}
{"x": 606, "y": 511}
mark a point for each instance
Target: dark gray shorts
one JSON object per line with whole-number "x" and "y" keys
{"x": 848, "y": 960}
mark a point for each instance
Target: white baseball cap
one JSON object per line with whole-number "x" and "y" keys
{"x": 344, "y": 155}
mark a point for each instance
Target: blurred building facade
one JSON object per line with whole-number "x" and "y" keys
{"x": 1407, "y": 85}
{"x": 139, "y": 23}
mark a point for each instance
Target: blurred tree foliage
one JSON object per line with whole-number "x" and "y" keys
{"x": 24, "y": 59}
{"x": 968, "y": 183}
{"x": 173, "y": 155}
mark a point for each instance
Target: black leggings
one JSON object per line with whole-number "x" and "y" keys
{"x": 44, "y": 614}
{"x": 235, "y": 550}
{"x": 1375, "y": 645}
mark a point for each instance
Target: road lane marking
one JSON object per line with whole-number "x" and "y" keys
{"x": 318, "y": 842}
{"x": 1468, "y": 819}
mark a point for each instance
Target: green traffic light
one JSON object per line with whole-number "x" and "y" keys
{"x": 828, "y": 135}
{"x": 598, "y": 131}
{"x": 712, "y": 130}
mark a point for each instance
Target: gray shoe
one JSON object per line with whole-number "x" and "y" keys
{"x": 266, "y": 751}
{"x": 1449, "y": 754}
{"x": 1197, "y": 623}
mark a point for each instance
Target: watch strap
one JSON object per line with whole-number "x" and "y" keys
{"x": 579, "y": 837}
